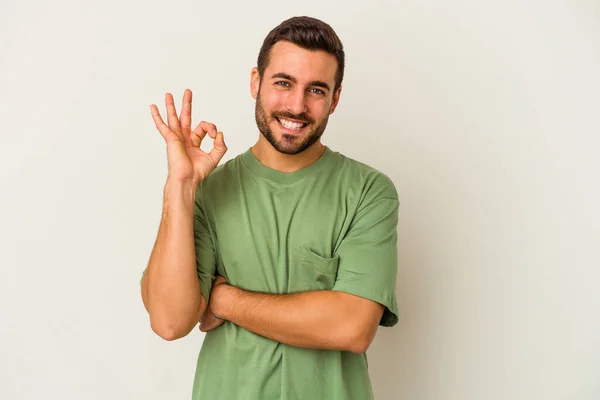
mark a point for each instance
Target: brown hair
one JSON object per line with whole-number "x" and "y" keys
{"x": 308, "y": 33}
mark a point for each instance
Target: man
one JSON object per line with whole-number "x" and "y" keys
{"x": 286, "y": 254}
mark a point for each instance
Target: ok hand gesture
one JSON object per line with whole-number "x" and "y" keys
{"x": 185, "y": 159}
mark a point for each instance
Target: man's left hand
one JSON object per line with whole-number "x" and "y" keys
{"x": 210, "y": 321}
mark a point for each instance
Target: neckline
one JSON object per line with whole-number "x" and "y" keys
{"x": 254, "y": 165}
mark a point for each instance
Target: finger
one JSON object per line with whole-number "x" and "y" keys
{"x": 186, "y": 117}
{"x": 219, "y": 148}
{"x": 209, "y": 322}
{"x": 172, "y": 114}
{"x": 195, "y": 139}
{"x": 164, "y": 130}
{"x": 186, "y": 112}
{"x": 206, "y": 327}
{"x": 199, "y": 133}
{"x": 219, "y": 280}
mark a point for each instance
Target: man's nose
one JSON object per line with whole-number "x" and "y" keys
{"x": 296, "y": 102}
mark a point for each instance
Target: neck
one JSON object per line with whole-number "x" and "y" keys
{"x": 267, "y": 155}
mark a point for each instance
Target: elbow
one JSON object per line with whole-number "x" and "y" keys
{"x": 168, "y": 334}
{"x": 169, "y": 325}
{"x": 359, "y": 338}
{"x": 359, "y": 344}
{"x": 167, "y": 331}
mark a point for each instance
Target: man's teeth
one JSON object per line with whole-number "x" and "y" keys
{"x": 291, "y": 125}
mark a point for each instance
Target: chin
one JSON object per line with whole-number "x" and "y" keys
{"x": 289, "y": 147}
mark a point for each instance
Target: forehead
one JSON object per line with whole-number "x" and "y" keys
{"x": 304, "y": 65}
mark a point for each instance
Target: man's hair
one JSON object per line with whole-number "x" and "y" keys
{"x": 308, "y": 33}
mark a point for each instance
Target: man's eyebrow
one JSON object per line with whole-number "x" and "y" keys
{"x": 319, "y": 84}
{"x": 283, "y": 75}
{"x": 290, "y": 78}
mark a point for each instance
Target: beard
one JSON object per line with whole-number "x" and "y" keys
{"x": 288, "y": 144}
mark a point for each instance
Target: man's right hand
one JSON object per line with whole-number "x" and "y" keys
{"x": 186, "y": 161}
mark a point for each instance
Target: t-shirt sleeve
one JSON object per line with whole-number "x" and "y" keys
{"x": 206, "y": 258}
{"x": 368, "y": 255}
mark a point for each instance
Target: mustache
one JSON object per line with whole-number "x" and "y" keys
{"x": 299, "y": 117}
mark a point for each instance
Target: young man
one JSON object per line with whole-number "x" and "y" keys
{"x": 286, "y": 254}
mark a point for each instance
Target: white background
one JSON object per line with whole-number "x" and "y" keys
{"x": 484, "y": 114}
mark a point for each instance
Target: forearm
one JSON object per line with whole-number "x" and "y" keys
{"x": 318, "y": 320}
{"x": 171, "y": 288}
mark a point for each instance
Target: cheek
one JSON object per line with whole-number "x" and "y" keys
{"x": 319, "y": 109}
{"x": 273, "y": 98}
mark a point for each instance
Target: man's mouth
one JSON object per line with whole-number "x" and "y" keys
{"x": 290, "y": 125}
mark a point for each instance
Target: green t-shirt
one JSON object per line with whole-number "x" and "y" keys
{"x": 329, "y": 226}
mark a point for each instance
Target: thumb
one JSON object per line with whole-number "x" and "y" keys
{"x": 219, "y": 147}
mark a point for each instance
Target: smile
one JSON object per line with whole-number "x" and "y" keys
{"x": 291, "y": 125}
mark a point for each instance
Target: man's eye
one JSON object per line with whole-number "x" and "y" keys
{"x": 282, "y": 83}
{"x": 317, "y": 91}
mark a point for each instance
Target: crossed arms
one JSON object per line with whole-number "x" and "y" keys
{"x": 325, "y": 319}
{"x": 171, "y": 293}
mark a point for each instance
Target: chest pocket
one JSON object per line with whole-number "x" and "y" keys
{"x": 312, "y": 271}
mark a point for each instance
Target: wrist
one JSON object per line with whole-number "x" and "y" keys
{"x": 180, "y": 189}
{"x": 225, "y": 299}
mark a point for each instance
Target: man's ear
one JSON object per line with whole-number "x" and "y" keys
{"x": 254, "y": 82}
{"x": 336, "y": 100}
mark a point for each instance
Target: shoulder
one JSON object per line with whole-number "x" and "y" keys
{"x": 221, "y": 179}
{"x": 371, "y": 183}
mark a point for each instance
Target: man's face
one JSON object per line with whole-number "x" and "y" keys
{"x": 295, "y": 96}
